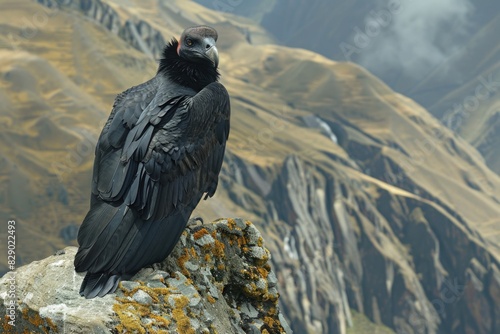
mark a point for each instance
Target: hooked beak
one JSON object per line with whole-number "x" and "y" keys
{"x": 213, "y": 55}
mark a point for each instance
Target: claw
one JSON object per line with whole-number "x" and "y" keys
{"x": 194, "y": 222}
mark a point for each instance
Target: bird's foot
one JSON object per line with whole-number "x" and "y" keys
{"x": 193, "y": 222}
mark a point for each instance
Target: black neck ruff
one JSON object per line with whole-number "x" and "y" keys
{"x": 195, "y": 75}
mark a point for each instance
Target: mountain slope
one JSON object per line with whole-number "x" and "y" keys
{"x": 440, "y": 55}
{"x": 370, "y": 203}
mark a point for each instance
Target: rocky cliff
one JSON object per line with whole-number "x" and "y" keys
{"x": 138, "y": 33}
{"x": 217, "y": 280}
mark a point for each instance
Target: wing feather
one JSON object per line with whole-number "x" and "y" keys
{"x": 156, "y": 157}
{"x": 185, "y": 155}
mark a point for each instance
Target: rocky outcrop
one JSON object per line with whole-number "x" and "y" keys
{"x": 400, "y": 259}
{"x": 138, "y": 33}
{"x": 142, "y": 36}
{"x": 217, "y": 280}
{"x": 97, "y": 10}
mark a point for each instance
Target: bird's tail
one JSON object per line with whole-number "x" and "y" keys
{"x": 99, "y": 284}
{"x": 115, "y": 243}
{"x": 104, "y": 237}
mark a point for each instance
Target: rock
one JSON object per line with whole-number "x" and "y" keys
{"x": 138, "y": 33}
{"x": 215, "y": 287}
{"x": 142, "y": 36}
{"x": 142, "y": 297}
{"x": 97, "y": 10}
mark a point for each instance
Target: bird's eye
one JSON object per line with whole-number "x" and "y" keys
{"x": 189, "y": 42}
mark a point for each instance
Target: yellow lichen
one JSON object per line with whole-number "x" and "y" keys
{"x": 260, "y": 242}
{"x": 201, "y": 233}
{"x": 129, "y": 312}
{"x": 182, "y": 260}
{"x": 35, "y": 319}
{"x": 273, "y": 324}
{"x": 242, "y": 241}
{"x": 194, "y": 255}
{"x": 263, "y": 272}
{"x": 231, "y": 223}
{"x": 152, "y": 292}
{"x": 129, "y": 318}
{"x": 272, "y": 311}
{"x": 211, "y": 299}
{"x": 160, "y": 320}
{"x": 180, "y": 317}
{"x": 219, "y": 248}
{"x": 161, "y": 291}
{"x": 6, "y": 327}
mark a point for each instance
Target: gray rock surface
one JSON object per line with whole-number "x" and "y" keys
{"x": 219, "y": 286}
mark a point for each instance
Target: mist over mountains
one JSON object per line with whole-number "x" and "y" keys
{"x": 435, "y": 52}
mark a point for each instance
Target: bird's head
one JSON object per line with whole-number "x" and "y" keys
{"x": 192, "y": 61}
{"x": 197, "y": 44}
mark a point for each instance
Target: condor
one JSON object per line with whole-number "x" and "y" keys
{"x": 159, "y": 153}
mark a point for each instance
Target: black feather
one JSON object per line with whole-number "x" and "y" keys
{"x": 159, "y": 152}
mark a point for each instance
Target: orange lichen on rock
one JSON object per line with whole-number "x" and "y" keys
{"x": 263, "y": 272}
{"x": 219, "y": 248}
{"x": 231, "y": 224}
{"x": 260, "y": 242}
{"x": 242, "y": 241}
{"x": 194, "y": 255}
{"x": 6, "y": 327}
{"x": 211, "y": 299}
{"x": 201, "y": 233}
{"x": 273, "y": 324}
{"x": 45, "y": 324}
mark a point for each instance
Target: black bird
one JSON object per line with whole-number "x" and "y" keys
{"x": 160, "y": 151}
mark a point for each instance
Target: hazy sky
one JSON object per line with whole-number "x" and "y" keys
{"x": 419, "y": 37}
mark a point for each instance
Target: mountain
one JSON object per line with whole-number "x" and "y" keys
{"x": 371, "y": 208}
{"x": 440, "y": 54}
